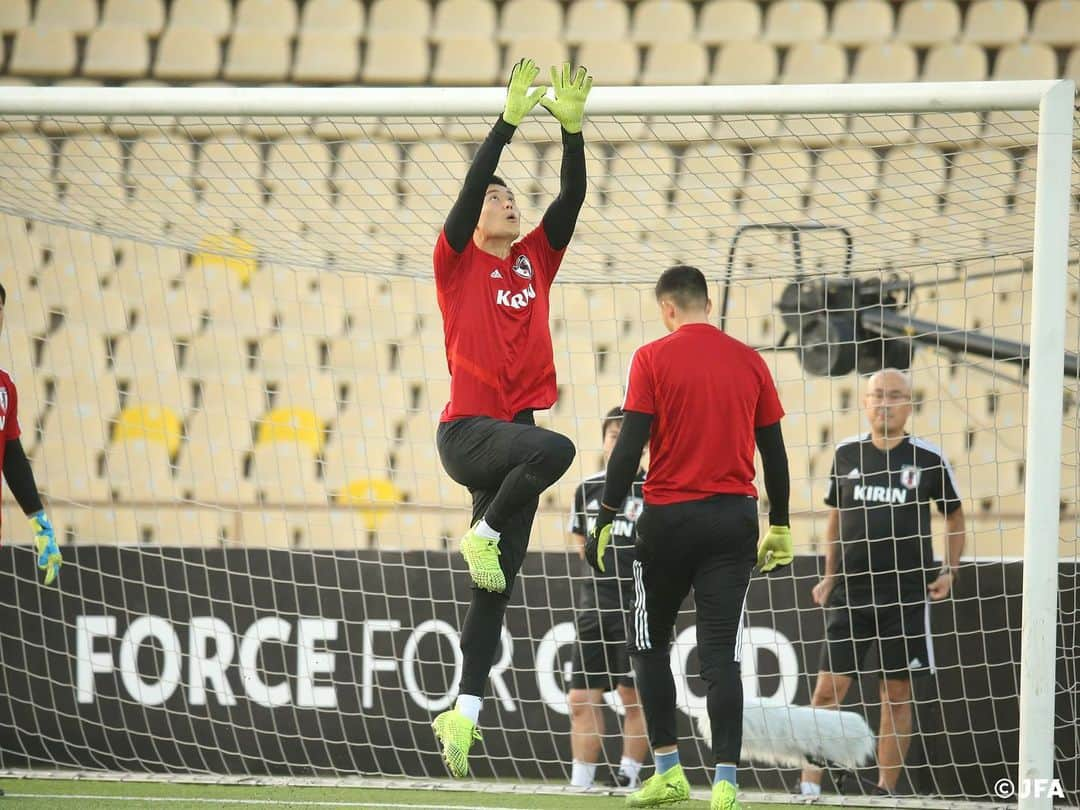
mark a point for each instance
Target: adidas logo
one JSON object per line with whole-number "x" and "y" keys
{"x": 915, "y": 663}
{"x": 593, "y": 504}
{"x": 495, "y": 273}
{"x": 854, "y": 473}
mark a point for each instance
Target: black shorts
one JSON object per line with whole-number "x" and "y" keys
{"x": 709, "y": 545}
{"x": 900, "y": 633}
{"x": 600, "y": 657}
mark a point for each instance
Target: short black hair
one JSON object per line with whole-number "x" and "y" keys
{"x": 685, "y": 286}
{"x": 3, "y": 296}
{"x": 612, "y": 416}
{"x": 498, "y": 181}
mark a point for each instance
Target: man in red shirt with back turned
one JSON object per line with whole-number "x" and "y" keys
{"x": 493, "y": 293}
{"x": 702, "y": 400}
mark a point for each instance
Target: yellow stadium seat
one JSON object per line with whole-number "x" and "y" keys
{"x": 43, "y": 52}
{"x": 289, "y": 425}
{"x": 814, "y": 63}
{"x": 745, "y": 62}
{"x": 326, "y": 57}
{"x": 662, "y": 21}
{"x": 725, "y": 21}
{"x": 345, "y": 17}
{"x": 154, "y": 424}
{"x": 669, "y": 63}
{"x": 1056, "y": 22}
{"x": 466, "y": 61}
{"x": 595, "y": 21}
{"x": 224, "y": 256}
{"x": 212, "y": 15}
{"x": 995, "y": 23}
{"x": 399, "y": 17}
{"x": 188, "y": 54}
{"x": 146, "y": 16}
{"x": 258, "y": 55}
{"x": 14, "y": 15}
{"x": 396, "y": 59}
{"x": 277, "y": 16}
{"x": 860, "y": 22}
{"x": 117, "y": 53}
{"x": 927, "y": 22}
{"x": 790, "y": 21}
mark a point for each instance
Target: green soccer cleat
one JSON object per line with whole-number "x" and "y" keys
{"x": 456, "y": 733}
{"x": 669, "y": 787}
{"x": 482, "y": 556}
{"x": 723, "y": 797}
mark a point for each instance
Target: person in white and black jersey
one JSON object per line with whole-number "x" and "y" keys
{"x": 880, "y": 569}
{"x": 604, "y": 604}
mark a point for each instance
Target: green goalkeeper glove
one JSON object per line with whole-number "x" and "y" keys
{"x": 49, "y": 558}
{"x": 519, "y": 101}
{"x": 596, "y": 545}
{"x": 568, "y": 106}
{"x": 775, "y": 549}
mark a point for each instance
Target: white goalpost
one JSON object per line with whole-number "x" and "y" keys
{"x": 221, "y": 320}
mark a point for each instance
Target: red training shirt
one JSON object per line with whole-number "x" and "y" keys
{"x": 495, "y": 322}
{"x": 707, "y": 392}
{"x": 9, "y": 413}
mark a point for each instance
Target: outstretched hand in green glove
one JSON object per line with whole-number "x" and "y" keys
{"x": 519, "y": 99}
{"x": 568, "y": 106}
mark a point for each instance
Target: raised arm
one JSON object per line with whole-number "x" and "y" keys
{"x": 568, "y": 107}
{"x": 463, "y": 217}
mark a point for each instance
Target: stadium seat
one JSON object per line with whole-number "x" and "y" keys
{"x": 463, "y": 62}
{"x": 662, "y": 21}
{"x": 777, "y": 165}
{"x": 983, "y": 171}
{"x": 14, "y": 16}
{"x": 286, "y": 473}
{"x": 610, "y": 62}
{"x": 210, "y": 15}
{"x": 77, "y": 16}
{"x": 995, "y": 23}
{"x": 43, "y": 52}
{"x": 674, "y": 63}
{"x": 146, "y": 16}
{"x": 117, "y": 53}
{"x": 344, "y": 17}
{"x": 463, "y": 19}
{"x": 400, "y": 17}
{"x": 1072, "y": 66}
{"x": 1025, "y": 60}
{"x": 927, "y": 22}
{"x": 153, "y": 424}
{"x": 861, "y": 22}
{"x": 258, "y": 55}
{"x": 745, "y": 62}
{"x": 210, "y": 468}
{"x": 290, "y": 425}
{"x": 843, "y": 170}
{"x": 276, "y": 16}
{"x": 914, "y": 169}
{"x": 530, "y": 19}
{"x": 596, "y": 21}
{"x": 814, "y": 63}
{"x": 26, "y": 162}
{"x": 790, "y": 21}
{"x": 66, "y": 466}
{"x": 883, "y": 62}
{"x": 326, "y": 57}
{"x": 298, "y": 173}
{"x": 724, "y": 21}
{"x": 354, "y": 454}
{"x": 395, "y": 59}
{"x": 955, "y": 63}
{"x": 286, "y": 353}
{"x": 545, "y": 50}
{"x": 228, "y": 174}
{"x": 188, "y": 54}
{"x": 1056, "y": 23}
{"x": 711, "y": 177}
{"x": 144, "y": 351}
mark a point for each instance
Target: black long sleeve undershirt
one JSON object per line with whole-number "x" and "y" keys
{"x": 774, "y": 464}
{"x": 461, "y": 222}
{"x": 561, "y": 216}
{"x": 20, "y": 477}
{"x": 624, "y": 463}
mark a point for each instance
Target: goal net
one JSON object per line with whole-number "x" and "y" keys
{"x": 229, "y": 360}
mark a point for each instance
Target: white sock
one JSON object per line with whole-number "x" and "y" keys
{"x": 583, "y": 774}
{"x": 810, "y": 788}
{"x": 469, "y": 705}
{"x": 484, "y": 530}
{"x": 630, "y": 768}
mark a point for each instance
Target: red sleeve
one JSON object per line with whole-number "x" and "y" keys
{"x": 447, "y": 261}
{"x": 11, "y": 425}
{"x": 640, "y": 391}
{"x": 769, "y": 410}
{"x": 544, "y": 258}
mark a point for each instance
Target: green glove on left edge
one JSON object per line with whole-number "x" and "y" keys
{"x": 519, "y": 101}
{"x": 596, "y": 545}
{"x": 568, "y": 106}
{"x": 49, "y": 558}
{"x": 775, "y": 549}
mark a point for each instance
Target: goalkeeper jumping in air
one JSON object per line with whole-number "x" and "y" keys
{"x": 493, "y": 293}
{"x": 19, "y": 475}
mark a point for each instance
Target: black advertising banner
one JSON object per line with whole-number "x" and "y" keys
{"x": 272, "y": 661}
